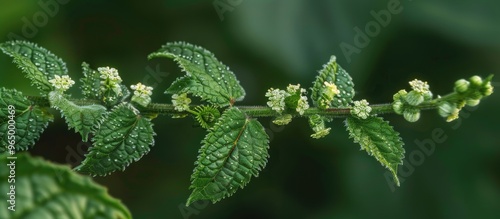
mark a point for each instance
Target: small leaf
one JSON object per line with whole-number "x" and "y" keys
{"x": 181, "y": 85}
{"x": 210, "y": 79}
{"x": 379, "y": 140}
{"x": 37, "y": 63}
{"x": 44, "y": 191}
{"x": 233, "y": 151}
{"x": 124, "y": 137}
{"x": 332, "y": 73}
{"x": 82, "y": 118}
{"x": 91, "y": 82}
{"x": 30, "y": 120}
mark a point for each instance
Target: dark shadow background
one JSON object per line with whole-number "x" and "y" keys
{"x": 271, "y": 43}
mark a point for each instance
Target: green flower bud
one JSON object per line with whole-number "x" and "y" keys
{"x": 472, "y": 102}
{"x": 461, "y": 86}
{"x": 487, "y": 89}
{"x": 399, "y": 95}
{"x": 411, "y": 114}
{"x": 446, "y": 109}
{"x": 283, "y": 119}
{"x": 398, "y": 107}
{"x": 414, "y": 98}
{"x": 428, "y": 96}
{"x": 476, "y": 81}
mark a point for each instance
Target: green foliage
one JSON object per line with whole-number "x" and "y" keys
{"x": 91, "y": 82}
{"x": 236, "y": 146}
{"x": 82, "y": 118}
{"x": 124, "y": 137}
{"x": 37, "y": 63}
{"x": 45, "y": 191}
{"x": 379, "y": 140}
{"x": 30, "y": 120}
{"x": 234, "y": 150}
{"x": 206, "y": 77}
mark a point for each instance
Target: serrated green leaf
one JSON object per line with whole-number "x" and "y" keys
{"x": 211, "y": 79}
{"x": 233, "y": 151}
{"x": 379, "y": 140}
{"x": 332, "y": 73}
{"x": 30, "y": 120}
{"x": 124, "y": 137}
{"x": 45, "y": 191}
{"x": 91, "y": 82}
{"x": 181, "y": 85}
{"x": 82, "y": 118}
{"x": 37, "y": 63}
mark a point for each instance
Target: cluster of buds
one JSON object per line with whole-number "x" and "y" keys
{"x": 61, "y": 83}
{"x": 293, "y": 98}
{"x": 406, "y": 103}
{"x": 181, "y": 102}
{"x": 469, "y": 92}
{"x": 110, "y": 83}
{"x": 361, "y": 109}
{"x": 142, "y": 94}
{"x": 317, "y": 124}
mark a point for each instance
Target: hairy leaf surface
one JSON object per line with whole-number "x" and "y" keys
{"x": 233, "y": 151}
{"x": 211, "y": 79}
{"x": 45, "y": 191}
{"x": 30, "y": 120}
{"x": 91, "y": 82}
{"x": 124, "y": 137}
{"x": 37, "y": 63}
{"x": 332, "y": 73}
{"x": 379, "y": 140}
{"x": 82, "y": 118}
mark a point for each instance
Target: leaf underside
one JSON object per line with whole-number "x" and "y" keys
{"x": 124, "y": 137}
{"x": 379, "y": 140}
{"x": 39, "y": 64}
{"x": 46, "y": 191}
{"x": 81, "y": 118}
{"x": 30, "y": 120}
{"x": 233, "y": 151}
{"x": 206, "y": 77}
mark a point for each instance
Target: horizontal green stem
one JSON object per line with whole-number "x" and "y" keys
{"x": 260, "y": 111}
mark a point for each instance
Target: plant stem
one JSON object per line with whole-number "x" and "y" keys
{"x": 259, "y": 111}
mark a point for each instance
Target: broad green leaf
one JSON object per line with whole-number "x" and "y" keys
{"x": 233, "y": 151}
{"x": 124, "y": 137}
{"x": 211, "y": 79}
{"x": 30, "y": 120}
{"x": 82, "y": 118}
{"x": 37, "y": 63}
{"x": 45, "y": 191}
{"x": 379, "y": 140}
{"x": 332, "y": 73}
{"x": 91, "y": 82}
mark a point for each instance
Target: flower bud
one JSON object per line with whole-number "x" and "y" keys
{"x": 461, "y": 86}
{"x": 283, "y": 119}
{"x": 398, "y": 107}
{"x": 446, "y": 109}
{"x": 414, "y": 98}
{"x": 476, "y": 81}
{"x": 412, "y": 114}
{"x": 472, "y": 102}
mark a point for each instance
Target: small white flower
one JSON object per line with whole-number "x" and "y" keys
{"x": 62, "y": 83}
{"x": 276, "y": 99}
{"x": 142, "y": 94}
{"x": 111, "y": 74}
{"x": 419, "y": 86}
{"x": 361, "y": 109}
{"x": 181, "y": 102}
{"x": 302, "y": 105}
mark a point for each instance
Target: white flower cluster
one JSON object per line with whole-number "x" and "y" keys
{"x": 62, "y": 83}
{"x": 142, "y": 94}
{"x": 110, "y": 80}
{"x": 181, "y": 102}
{"x": 276, "y": 99}
{"x": 361, "y": 109}
{"x": 419, "y": 86}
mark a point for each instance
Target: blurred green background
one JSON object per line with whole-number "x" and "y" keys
{"x": 271, "y": 43}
